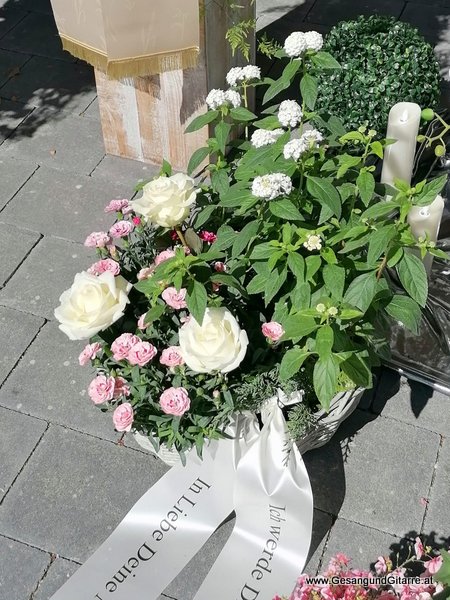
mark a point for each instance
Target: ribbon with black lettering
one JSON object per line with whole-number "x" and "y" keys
{"x": 251, "y": 474}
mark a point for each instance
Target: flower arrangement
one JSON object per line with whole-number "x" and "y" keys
{"x": 423, "y": 575}
{"x": 270, "y": 271}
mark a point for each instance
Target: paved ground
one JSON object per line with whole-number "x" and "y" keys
{"x": 65, "y": 483}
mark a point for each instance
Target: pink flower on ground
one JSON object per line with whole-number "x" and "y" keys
{"x": 175, "y": 401}
{"x": 387, "y": 596}
{"x": 207, "y": 236}
{"x": 123, "y": 417}
{"x": 106, "y": 264}
{"x": 123, "y": 344}
{"x": 141, "y": 353}
{"x": 173, "y": 298}
{"x": 381, "y": 566}
{"x": 97, "y": 239}
{"x": 121, "y": 229}
{"x": 164, "y": 255}
{"x": 116, "y": 205}
{"x": 101, "y": 389}
{"x": 418, "y": 548}
{"x": 171, "y": 357}
{"x": 145, "y": 273}
{"x": 220, "y": 267}
{"x": 272, "y": 330}
{"x": 121, "y": 387}
{"x": 136, "y": 221}
{"x": 432, "y": 566}
{"x": 141, "y": 322}
{"x": 90, "y": 351}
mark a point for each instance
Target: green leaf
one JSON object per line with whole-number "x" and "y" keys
{"x": 313, "y": 264}
{"x": 296, "y": 263}
{"x": 443, "y": 575}
{"x": 166, "y": 168}
{"x": 257, "y": 284}
{"x": 283, "y": 82}
{"x": 334, "y": 279}
{"x": 204, "y": 215}
{"x": 263, "y": 251}
{"x": 235, "y": 196}
{"x": 221, "y": 132}
{"x": 406, "y": 310}
{"x": 324, "y": 191}
{"x": 361, "y": 291}
{"x": 325, "y": 377}
{"x": 366, "y": 186}
{"x": 271, "y": 122}
{"x": 296, "y": 327}
{"x": 230, "y": 281}
{"x": 347, "y": 314}
{"x": 377, "y": 149}
{"x": 324, "y": 60}
{"x": 196, "y": 300}
{"x": 274, "y": 283}
{"x": 301, "y": 296}
{"x": 379, "y": 241}
{"x": 285, "y": 209}
{"x": 220, "y": 181}
{"x": 201, "y": 121}
{"x": 309, "y": 90}
{"x": 430, "y": 191}
{"x": 225, "y": 238}
{"x": 324, "y": 341}
{"x": 154, "y": 313}
{"x": 358, "y": 371}
{"x": 291, "y": 362}
{"x": 197, "y": 158}
{"x": 328, "y": 255}
{"x": 193, "y": 240}
{"x": 413, "y": 277}
{"x": 394, "y": 256}
{"x": 380, "y": 209}
{"x": 242, "y": 114}
{"x": 346, "y": 162}
{"x": 242, "y": 240}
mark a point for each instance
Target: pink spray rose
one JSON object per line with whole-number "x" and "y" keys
{"x": 164, "y": 255}
{"x": 121, "y": 387}
{"x": 220, "y": 267}
{"x": 381, "y": 566}
{"x": 116, "y": 205}
{"x": 145, "y": 273}
{"x": 175, "y": 401}
{"x": 433, "y": 565}
{"x": 173, "y": 298}
{"x": 141, "y": 353}
{"x": 123, "y": 417}
{"x": 97, "y": 239}
{"x": 90, "y": 351}
{"x": 207, "y": 236}
{"x": 121, "y": 229}
{"x": 136, "y": 221}
{"x": 106, "y": 264}
{"x": 123, "y": 344}
{"x": 141, "y": 322}
{"x": 101, "y": 389}
{"x": 418, "y": 548}
{"x": 171, "y": 357}
{"x": 272, "y": 330}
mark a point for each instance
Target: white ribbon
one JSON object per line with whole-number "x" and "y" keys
{"x": 251, "y": 474}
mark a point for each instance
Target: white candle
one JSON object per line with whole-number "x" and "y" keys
{"x": 403, "y": 126}
{"x": 424, "y": 222}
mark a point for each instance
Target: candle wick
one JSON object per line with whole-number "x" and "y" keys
{"x": 404, "y": 116}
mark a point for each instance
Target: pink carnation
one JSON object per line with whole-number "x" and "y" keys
{"x": 97, "y": 239}
{"x": 171, "y": 357}
{"x": 136, "y": 221}
{"x": 433, "y": 565}
{"x": 141, "y": 353}
{"x": 418, "y": 548}
{"x": 121, "y": 387}
{"x": 123, "y": 344}
{"x": 121, "y": 229}
{"x": 101, "y": 389}
{"x": 220, "y": 267}
{"x": 104, "y": 265}
{"x": 90, "y": 352}
{"x": 145, "y": 273}
{"x": 141, "y": 322}
{"x": 173, "y": 298}
{"x": 164, "y": 255}
{"x": 123, "y": 417}
{"x": 207, "y": 236}
{"x": 116, "y": 205}
{"x": 175, "y": 401}
{"x": 381, "y": 566}
{"x": 272, "y": 330}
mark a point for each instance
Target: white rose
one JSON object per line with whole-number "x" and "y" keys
{"x": 92, "y": 304}
{"x": 166, "y": 201}
{"x": 218, "y": 344}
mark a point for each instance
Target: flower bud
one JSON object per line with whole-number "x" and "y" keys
{"x": 427, "y": 114}
{"x": 439, "y": 150}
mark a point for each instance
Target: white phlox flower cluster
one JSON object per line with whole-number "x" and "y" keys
{"x": 289, "y": 113}
{"x": 308, "y": 140}
{"x": 236, "y": 75}
{"x": 314, "y": 40}
{"x": 217, "y": 98}
{"x": 271, "y": 186}
{"x": 264, "y": 137}
{"x": 313, "y": 243}
{"x": 298, "y": 42}
{"x": 312, "y": 138}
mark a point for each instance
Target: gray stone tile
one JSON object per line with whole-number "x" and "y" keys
{"x": 61, "y": 395}
{"x": 268, "y": 12}
{"x": 40, "y": 280}
{"x": 10, "y": 64}
{"x": 19, "y": 435}
{"x": 74, "y": 491}
{"x": 9, "y": 17}
{"x": 321, "y": 526}
{"x": 329, "y": 12}
{"x": 58, "y": 139}
{"x": 13, "y": 113}
{"x": 433, "y": 21}
{"x": 92, "y": 111}
{"x": 15, "y": 244}
{"x": 13, "y": 174}
{"x": 73, "y": 209}
{"x": 57, "y": 575}
{"x": 125, "y": 171}
{"x": 437, "y": 517}
{"x": 42, "y": 6}
{"x": 16, "y": 332}
{"x": 362, "y": 544}
{"x": 50, "y": 82}
{"x": 18, "y": 583}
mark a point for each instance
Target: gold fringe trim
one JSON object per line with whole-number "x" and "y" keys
{"x": 138, "y": 66}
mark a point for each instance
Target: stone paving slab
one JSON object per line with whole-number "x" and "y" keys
{"x": 19, "y": 435}
{"x": 58, "y": 139}
{"x": 21, "y": 568}
{"x": 59, "y": 572}
{"x": 74, "y": 207}
{"x": 9, "y": 18}
{"x": 125, "y": 172}
{"x": 49, "y": 270}
{"x": 15, "y": 244}
{"x": 330, "y": 12}
{"x": 16, "y": 332}
{"x": 13, "y": 174}
{"x": 322, "y": 523}
{"x": 74, "y": 491}
{"x": 51, "y": 82}
{"x": 43, "y": 6}
{"x": 437, "y": 515}
{"x": 268, "y": 12}
{"x": 10, "y": 64}
{"x": 13, "y": 113}
{"x": 61, "y": 395}
{"x": 432, "y": 21}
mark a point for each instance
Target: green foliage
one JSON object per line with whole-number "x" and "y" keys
{"x": 383, "y": 62}
{"x": 237, "y": 36}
